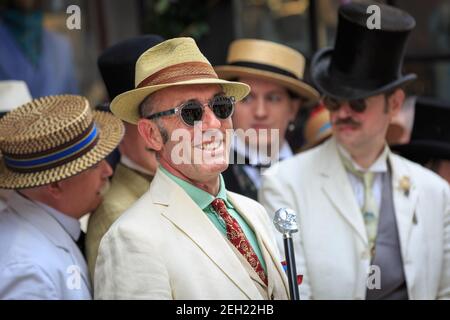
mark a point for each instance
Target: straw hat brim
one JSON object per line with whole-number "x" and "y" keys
{"x": 126, "y": 105}
{"x": 111, "y": 131}
{"x": 297, "y": 86}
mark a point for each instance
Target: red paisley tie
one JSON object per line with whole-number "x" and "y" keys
{"x": 238, "y": 238}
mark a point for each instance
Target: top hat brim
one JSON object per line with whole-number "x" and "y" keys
{"x": 297, "y": 86}
{"x": 341, "y": 89}
{"x": 423, "y": 150}
{"x": 126, "y": 105}
{"x": 111, "y": 131}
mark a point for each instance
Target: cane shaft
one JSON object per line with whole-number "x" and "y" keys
{"x": 291, "y": 269}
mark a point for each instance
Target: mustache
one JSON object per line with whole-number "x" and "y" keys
{"x": 347, "y": 121}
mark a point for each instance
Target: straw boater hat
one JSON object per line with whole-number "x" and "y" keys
{"x": 267, "y": 60}
{"x": 13, "y": 93}
{"x": 175, "y": 62}
{"x": 53, "y": 138}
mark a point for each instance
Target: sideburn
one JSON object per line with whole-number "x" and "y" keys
{"x": 162, "y": 131}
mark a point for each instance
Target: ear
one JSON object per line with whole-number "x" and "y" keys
{"x": 295, "y": 106}
{"x": 55, "y": 189}
{"x": 396, "y": 101}
{"x": 150, "y": 133}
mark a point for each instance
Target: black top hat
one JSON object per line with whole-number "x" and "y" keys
{"x": 364, "y": 62}
{"x": 117, "y": 63}
{"x": 430, "y": 137}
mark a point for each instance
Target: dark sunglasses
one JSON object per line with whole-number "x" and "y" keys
{"x": 193, "y": 110}
{"x": 333, "y": 104}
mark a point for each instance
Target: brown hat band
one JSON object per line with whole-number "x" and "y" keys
{"x": 55, "y": 157}
{"x": 179, "y": 72}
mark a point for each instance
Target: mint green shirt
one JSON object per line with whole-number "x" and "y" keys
{"x": 204, "y": 199}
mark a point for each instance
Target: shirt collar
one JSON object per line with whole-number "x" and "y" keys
{"x": 244, "y": 150}
{"x": 133, "y": 165}
{"x": 71, "y": 225}
{"x": 202, "y": 198}
{"x": 379, "y": 166}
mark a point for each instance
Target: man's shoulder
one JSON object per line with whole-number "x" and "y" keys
{"x": 426, "y": 179}
{"x": 22, "y": 244}
{"x": 141, "y": 215}
{"x": 126, "y": 188}
{"x": 127, "y": 179}
{"x": 304, "y": 163}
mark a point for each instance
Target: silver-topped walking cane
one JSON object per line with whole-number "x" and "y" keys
{"x": 286, "y": 223}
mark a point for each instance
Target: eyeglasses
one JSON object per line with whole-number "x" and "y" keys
{"x": 333, "y": 104}
{"x": 193, "y": 110}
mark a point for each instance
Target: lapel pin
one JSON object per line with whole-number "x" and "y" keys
{"x": 405, "y": 185}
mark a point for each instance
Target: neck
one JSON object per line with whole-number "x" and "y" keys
{"x": 35, "y": 195}
{"x": 211, "y": 185}
{"x": 365, "y": 157}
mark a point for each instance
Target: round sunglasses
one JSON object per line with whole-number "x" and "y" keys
{"x": 333, "y": 104}
{"x": 193, "y": 110}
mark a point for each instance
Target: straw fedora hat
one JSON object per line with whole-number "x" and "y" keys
{"x": 267, "y": 60}
{"x": 174, "y": 62}
{"x": 13, "y": 93}
{"x": 53, "y": 138}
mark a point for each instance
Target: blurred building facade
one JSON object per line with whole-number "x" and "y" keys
{"x": 306, "y": 25}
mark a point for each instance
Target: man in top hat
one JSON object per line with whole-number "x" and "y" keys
{"x": 53, "y": 158}
{"x": 372, "y": 225}
{"x": 13, "y": 93}
{"x": 187, "y": 237}
{"x": 430, "y": 137}
{"x": 274, "y": 73}
{"x": 137, "y": 166}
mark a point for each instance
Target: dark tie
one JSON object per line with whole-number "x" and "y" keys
{"x": 80, "y": 242}
{"x": 238, "y": 238}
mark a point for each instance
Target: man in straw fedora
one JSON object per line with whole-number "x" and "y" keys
{"x": 187, "y": 237}
{"x": 137, "y": 165}
{"x": 372, "y": 225}
{"x": 53, "y": 158}
{"x": 275, "y": 75}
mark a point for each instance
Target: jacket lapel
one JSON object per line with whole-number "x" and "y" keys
{"x": 336, "y": 185}
{"x": 404, "y": 201}
{"x": 267, "y": 250}
{"x": 179, "y": 208}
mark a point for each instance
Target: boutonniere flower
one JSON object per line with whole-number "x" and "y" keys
{"x": 405, "y": 185}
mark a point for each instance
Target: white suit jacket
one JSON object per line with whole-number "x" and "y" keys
{"x": 38, "y": 258}
{"x": 331, "y": 246}
{"x": 165, "y": 247}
